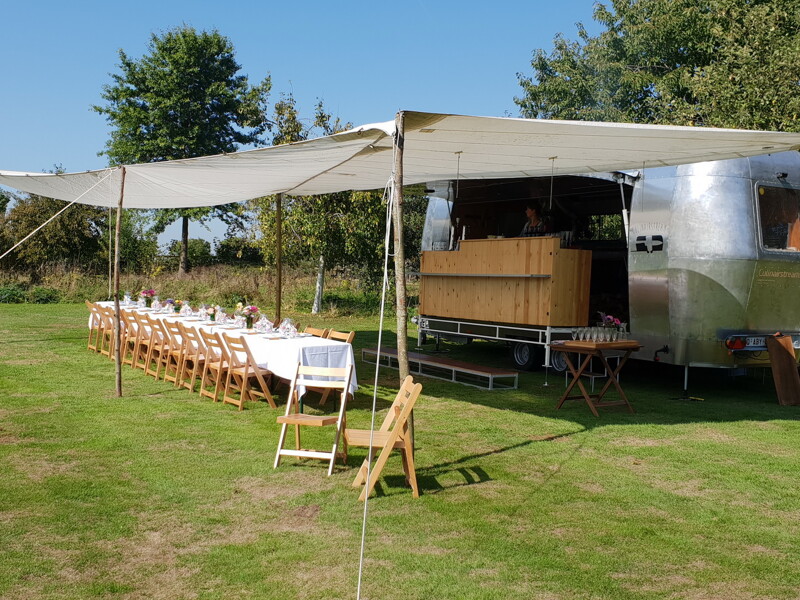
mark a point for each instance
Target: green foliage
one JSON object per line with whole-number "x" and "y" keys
{"x": 74, "y": 238}
{"x": 5, "y": 199}
{"x": 238, "y": 250}
{"x": 199, "y": 251}
{"x": 341, "y": 300}
{"x": 43, "y": 295}
{"x": 346, "y": 228}
{"x": 138, "y": 244}
{"x": 12, "y": 293}
{"x": 183, "y": 99}
{"x": 722, "y": 63}
{"x": 601, "y": 227}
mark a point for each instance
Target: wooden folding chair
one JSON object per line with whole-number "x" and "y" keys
{"x": 341, "y": 337}
{"x": 172, "y": 355}
{"x": 159, "y": 344}
{"x": 94, "y": 327}
{"x": 242, "y": 370}
{"x": 394, "y": 434}
{"x": 215, "y": 367}
{"x": 316, "y": 332}
{"x": 336, "y": 379}
{"x": 141, "y": 347}
{"x": 194, "y": 357}
{"x": 107, "y": 345}
{"x": 129, "y": 336}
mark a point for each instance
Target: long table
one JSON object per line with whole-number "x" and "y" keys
{"x": 272, "y": 351}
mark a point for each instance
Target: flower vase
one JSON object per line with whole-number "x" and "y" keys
{"x": 248, "y": 320}
{"x": 148, "y": 301}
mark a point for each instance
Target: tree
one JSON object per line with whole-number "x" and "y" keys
{"x": 309, "y": 220}
{"x": 721, "y": 63}
{"x": 199, "y": 251}
{"x": 183, "y": 99}
{"x": 344, "y": 230}
{"x": 74, "y": 239}
{"x": 238, "y": 250}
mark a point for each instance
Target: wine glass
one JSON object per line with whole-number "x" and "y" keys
{"x": 574, "y": 333}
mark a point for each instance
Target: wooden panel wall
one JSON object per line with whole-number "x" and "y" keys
{"x": 561, "y": 299}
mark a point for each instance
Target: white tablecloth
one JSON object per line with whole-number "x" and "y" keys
{"x": 279, "y": 355}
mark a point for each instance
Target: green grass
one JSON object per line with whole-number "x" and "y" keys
{"x": 160, "y": 494}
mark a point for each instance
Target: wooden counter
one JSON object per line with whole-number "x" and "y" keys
{"x": 526, "y": 281}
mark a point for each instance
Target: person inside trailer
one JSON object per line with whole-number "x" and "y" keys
{"x": 536, "y": 224}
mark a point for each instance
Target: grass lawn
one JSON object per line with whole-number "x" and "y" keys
{"x": 160, "y": 494}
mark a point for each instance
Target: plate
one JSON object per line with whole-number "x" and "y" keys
{"x": 755, "y": 341}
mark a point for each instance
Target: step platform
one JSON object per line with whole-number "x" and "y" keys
{"x": 485, "y": 378}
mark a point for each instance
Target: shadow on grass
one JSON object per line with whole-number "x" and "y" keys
{"x": 428, "y": 477}
{"x": 655, "y": 390}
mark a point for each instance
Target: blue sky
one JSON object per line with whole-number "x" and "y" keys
{"x": 364, "y": 59}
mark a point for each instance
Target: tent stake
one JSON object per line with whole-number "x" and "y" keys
{"x": 399, "y": 254}
{"x": 117, "y": 329}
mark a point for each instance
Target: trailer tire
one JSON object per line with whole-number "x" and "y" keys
{"x": 558, "y": 362}
{"x": 527, "y": 356}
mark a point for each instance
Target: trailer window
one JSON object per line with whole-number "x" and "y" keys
{"x": 779, "y": 210}
{"x": 601, "y": 227}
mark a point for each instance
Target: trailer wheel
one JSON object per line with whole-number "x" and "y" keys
{"x": 558, "y": 362}
{"x": 527, "y": 356}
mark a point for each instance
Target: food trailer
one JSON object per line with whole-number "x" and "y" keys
{"x": 701, "y": 261}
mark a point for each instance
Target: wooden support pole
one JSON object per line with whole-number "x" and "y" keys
{"x": 278, "y": 256}
{"x": 399, "y": 253}
{"x": 117, "y": 328}
{"x": 110, "y": 258}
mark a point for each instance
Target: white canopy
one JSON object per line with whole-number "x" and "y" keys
{"x": 437, "y": 146}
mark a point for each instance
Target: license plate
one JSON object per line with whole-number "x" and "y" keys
{"x": 754, "y": 341}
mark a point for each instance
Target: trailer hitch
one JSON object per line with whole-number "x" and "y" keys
{"x": 664, "y": 349}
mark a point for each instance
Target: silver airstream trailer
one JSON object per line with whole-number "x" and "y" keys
{"x": 702, "y": 261}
